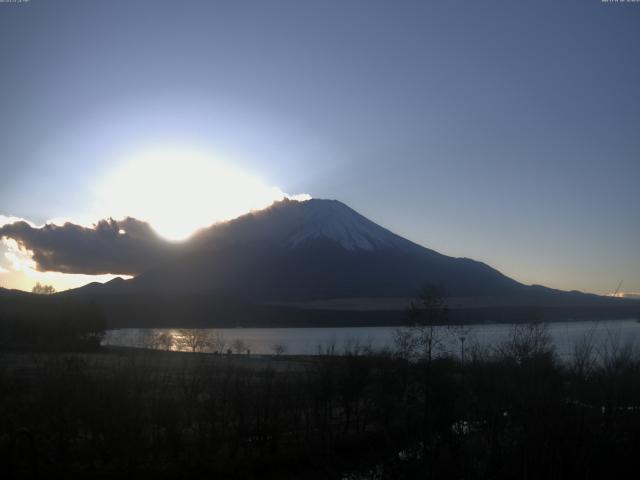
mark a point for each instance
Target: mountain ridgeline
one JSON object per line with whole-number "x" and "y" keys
{"x": 318, "y": 262}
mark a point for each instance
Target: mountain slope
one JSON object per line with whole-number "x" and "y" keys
{"x": 321, "y": 263}
{"x": 315, "y": 249}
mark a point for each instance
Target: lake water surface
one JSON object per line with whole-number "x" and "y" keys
{"x": 310, "y": 341}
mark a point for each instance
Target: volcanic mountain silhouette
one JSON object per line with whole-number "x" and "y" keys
{"x": 318, "y": 262}
{"x": 314, "y": 249}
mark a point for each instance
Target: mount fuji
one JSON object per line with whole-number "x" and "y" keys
{"x": 310, "y": 250}
{"x": 316, "y": 262}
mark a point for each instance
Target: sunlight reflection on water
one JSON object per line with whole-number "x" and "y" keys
{"x": 311, "y": 341}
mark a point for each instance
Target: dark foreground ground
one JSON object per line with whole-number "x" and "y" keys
{"x": 514, "y": 412}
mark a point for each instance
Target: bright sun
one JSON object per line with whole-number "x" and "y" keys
{"x": 178, "y": 192}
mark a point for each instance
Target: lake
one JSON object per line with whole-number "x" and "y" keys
{"x": 311, "y": 341}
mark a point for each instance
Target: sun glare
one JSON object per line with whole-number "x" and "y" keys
{"x": 178, "y": 192}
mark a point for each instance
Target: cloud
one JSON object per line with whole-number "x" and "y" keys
{"x": 125, "y": 247}
{"x": 298, "y": 197}
{"x": 3, "y": 270}
{"x": 4, "y": 220}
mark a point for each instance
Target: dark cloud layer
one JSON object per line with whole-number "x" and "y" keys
{"x": 124, "y": 247}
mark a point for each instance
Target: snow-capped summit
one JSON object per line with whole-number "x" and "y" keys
{"x": 293, "y": 224}
{"x": 333, "y": 220}
{"x": 300, "y": 222}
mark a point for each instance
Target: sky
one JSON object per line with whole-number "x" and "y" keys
{"x": 507, "y": 132}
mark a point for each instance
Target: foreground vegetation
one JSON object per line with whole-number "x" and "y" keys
{"x": 511, "y": 412}
{"x": 38, "y": 323}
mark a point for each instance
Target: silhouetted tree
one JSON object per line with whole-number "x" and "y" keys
{"x": 238, "y": 345}
{"x": 43, "y": 289}
{"x": 195, "y": 339}
{"x": 427, "y": 312}
{"x": 279, "y": 349}
{"x": 157, "y": 339}
{"x": 528, "y": 342}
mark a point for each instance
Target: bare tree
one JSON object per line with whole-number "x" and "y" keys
{"x": 584, "y": 359}
{"x": 279, "y": 349}
{"x": 405, "y": 342}
{"x": 238, "y": 345}
{"x": 157, "y": 339}
{"x": 428, "y": 313}
{"x": 217, "y": 342}
{"x": 195, "y": 339}
{"x": 527, "y": 342}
